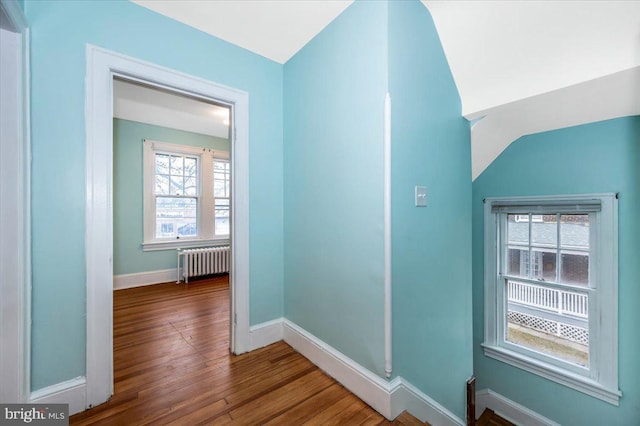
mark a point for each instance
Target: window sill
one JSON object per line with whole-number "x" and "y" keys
{"x": 556, "y": 374}
{"x": 180, "y": 244}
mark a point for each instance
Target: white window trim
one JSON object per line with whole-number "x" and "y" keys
{"x": 205, "y": 217}
{"x": 600, "y": 380}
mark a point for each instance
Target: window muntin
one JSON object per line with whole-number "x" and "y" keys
{"x": 574, "y": 274}
{"x": 180, "y": 207}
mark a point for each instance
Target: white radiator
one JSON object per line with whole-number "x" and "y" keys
{"x": 202, "y": 261}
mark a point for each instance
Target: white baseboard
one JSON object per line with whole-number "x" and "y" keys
{"x": 509, "y": 410}
{"x": 408, "y": 397}
{"x": 72, "y": 392}
{"x": 265, "y": 334}
{"x": 140, "y": 279}
{"x": 368, "y": 386}
{"x": 389, "y": 398}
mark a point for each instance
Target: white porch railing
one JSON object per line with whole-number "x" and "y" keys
{"x": 561, "y": 301}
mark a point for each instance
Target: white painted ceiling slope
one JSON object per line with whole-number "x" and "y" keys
{"x": 275, "y": 29}
{"x": 532, "y": 66}
{"x": 514, "y": 62}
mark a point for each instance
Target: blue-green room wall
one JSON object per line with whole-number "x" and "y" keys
{"x": 60, "y": 31}
{"x": 431, "y": 246}
{"x": 592, "y": 158}
{"x": 128, "y": 256}
{"x": 333, "y": 173}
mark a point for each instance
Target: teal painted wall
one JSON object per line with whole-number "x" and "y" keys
{"x": 431, "y": 248}
{"x": 592, "y": 158}
{"x": 333, "y": 172}
{"x": 128, "y": 234}
{"x": 60, "y": 31}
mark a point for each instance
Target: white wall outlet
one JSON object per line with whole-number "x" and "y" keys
{"x": 421, "y": 196}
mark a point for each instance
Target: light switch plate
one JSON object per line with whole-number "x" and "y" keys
{"x": 421, "y": 196}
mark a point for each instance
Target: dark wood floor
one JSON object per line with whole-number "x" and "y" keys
{"x": 172, "y": 366}
{"x": 489, "y": 418}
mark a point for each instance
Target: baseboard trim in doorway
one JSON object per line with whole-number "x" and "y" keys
{"x": 265, "y": 334}
{"x": 72, "y": 392}
{"x": 140, "y": 279}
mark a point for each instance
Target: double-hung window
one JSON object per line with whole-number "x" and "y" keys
{"x": 551, "y": 288}
{"x": 186, "y": 194}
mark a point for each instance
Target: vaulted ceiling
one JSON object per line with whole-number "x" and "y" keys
{"x": 521, "y": 67}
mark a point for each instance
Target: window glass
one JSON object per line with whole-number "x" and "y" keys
{"x": 539, "y": 317}
{"x": 176, "y": 217}
{"x": 221, "y": 193}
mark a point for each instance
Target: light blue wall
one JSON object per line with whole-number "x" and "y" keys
{"x": 128, "y": 257}
{"x": 592, "y": 158}
{"x": 431, "y": 245}
{"x": 333, "y": 172}
{"x": 60, "y": 31}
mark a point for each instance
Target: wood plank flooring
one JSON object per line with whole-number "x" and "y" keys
{"x": 489, "y": 418}
{"x": 172, "y": 366}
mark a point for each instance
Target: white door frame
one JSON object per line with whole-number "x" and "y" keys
{"x": 15, "y": 260}
{"x": 102, "y": 66}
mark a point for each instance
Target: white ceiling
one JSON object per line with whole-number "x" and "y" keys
{"x": 161, "y": 108}
{"x": 520, "y": 66}
{"x": 503, "y": 51}
{"x": 523, "y": 67}
{"x": 275, "y": 29}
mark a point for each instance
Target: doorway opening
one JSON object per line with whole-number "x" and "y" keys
{"x": 104, "y": 70}
{"x": 171, "y": 192}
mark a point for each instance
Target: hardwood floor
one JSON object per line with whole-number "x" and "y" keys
{"x": 172, "y": 366}
{"x": 489, "y": 418}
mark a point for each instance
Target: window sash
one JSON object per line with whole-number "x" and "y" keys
{"x": 502, "y": 279}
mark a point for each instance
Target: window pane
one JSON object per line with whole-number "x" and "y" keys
{"x": 175, "y": 217}
{"x": 544, "y": 231}
{"x": 518, "y": 262}
{"x": 177, "y": 165}
{"x": 575, "y": 268}
{"x": 544, "y": 264}
{"x": 219, "y": 165}
{"x": 574, "y": 230}
{"x": 550, "y": 321}
{"x": 162, "y": 164}
{"x": 518, "y": 229}
{"x": 222, "y": 216}
{"x": 222, "y": 221}
{"x": 190, "y": 186}
{"x": 219, "y": 188}
{"x": 162, "y": 185}
{"x": 190, "y": 167}
{"x": 177, "y": 185}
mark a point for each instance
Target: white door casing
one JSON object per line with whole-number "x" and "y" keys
{"x": 14, "y": 205}
{"x": 102, "y": 66}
